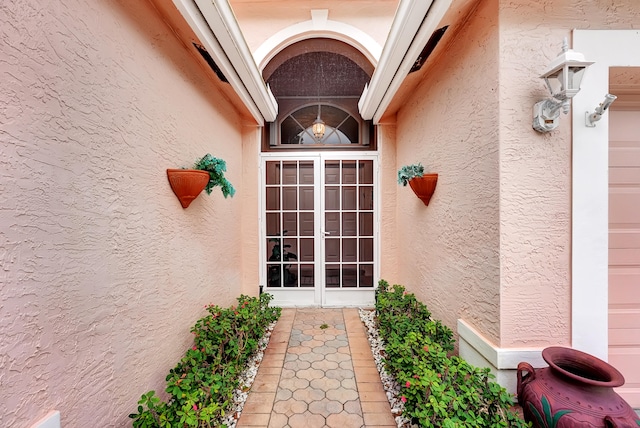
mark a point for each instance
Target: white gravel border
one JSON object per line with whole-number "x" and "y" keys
{"x": 389, "y": 383}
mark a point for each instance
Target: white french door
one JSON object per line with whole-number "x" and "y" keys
{"x": 319, "y": 244}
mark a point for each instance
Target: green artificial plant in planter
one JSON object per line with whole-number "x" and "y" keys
{"x": 216, "y": 168}
{"x": 408, "y": 172}
{"x": 423, "y": 185}
{"x": 207, "y": 173}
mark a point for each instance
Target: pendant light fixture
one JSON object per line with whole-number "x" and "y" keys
{"x": 318, "y": 126}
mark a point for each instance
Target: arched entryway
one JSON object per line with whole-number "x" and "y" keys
{"x": 319, "y": 205}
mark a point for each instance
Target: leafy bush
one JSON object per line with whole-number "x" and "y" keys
{"x": 201, "y": 385}
{"x": 399, "y": 313}
{"x": 216, "y": 168}
{"x": 438, "y": 389}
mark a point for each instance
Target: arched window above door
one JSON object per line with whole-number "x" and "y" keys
{"x": 317, "y": 84}
{"x": 320, "y": 124}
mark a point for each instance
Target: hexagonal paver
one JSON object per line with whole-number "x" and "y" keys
{"x": 293, "y": 383}
{"x": 325, "y": 377}
{"x": 278, "y": 421}
{"x": 325, "y": 384}
{"x": 348, "y": 383}
{"x": 344, "y": 419}
{"x": 306, "y": 420}
{"x": 325, "y": 407}
{"x": 339, "y": 356}
{"x": 283, "y": 394}
{"x": 342, "y": 395}
{"x": 324, "y": 350}
{"x": 289, "y": 407}
{"x": 309, "y": 395}
{"x": 353, "y": 407}
{"x": 325, "y": 365}
{"x": 340, "y": 374}
{"x": 297, "y": 365}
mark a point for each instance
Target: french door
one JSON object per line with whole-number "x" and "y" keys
{"x": 319, "y": 220}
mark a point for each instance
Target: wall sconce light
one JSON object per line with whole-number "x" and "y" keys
{"x": 563, "y": 77}
{"x": 318, "y": 126}
{"x": 590, "y": 119}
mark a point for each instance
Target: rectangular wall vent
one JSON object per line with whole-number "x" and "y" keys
{"x": 428, "y": 48}
{"x": 211, "y": 62}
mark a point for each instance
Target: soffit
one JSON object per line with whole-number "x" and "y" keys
{"x": 172, "y": 17}
{"x": 248, "y": 11}
{"x": 455, "y": 18}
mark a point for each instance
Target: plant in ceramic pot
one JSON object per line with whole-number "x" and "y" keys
{"x": 423, "y": 185}
{"x": 207, "y": 173}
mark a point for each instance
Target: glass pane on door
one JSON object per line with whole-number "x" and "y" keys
{"x": 289, "y": 194}
{"x": 348, "y": 223}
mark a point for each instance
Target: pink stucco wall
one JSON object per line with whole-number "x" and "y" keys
{"x": 373, "y": 17}
{"x": 449, "y": 251}
{"x": 102, "y": 272}
{"x": 388, "y": 197}
{"x": 535, "y": 183}
{"x": 493, "y": 247}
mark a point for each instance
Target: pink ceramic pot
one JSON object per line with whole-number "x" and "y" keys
{"x": 576, "y": 390}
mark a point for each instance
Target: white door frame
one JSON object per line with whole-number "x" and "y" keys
{"x": 320, "y": 295}
{"x": 590, "y": 183}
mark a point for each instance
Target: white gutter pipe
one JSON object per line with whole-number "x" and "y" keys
{"x": 215, "y": 25}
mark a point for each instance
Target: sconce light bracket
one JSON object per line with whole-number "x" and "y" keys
{"x": 546, "y": 114}
{"x": 563, "y": 78}
{"x": 590, "y": 119}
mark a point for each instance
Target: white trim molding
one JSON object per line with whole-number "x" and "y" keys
{"x": 318, "y": 26}
{"x": 503, "y": 362}
{"x": 214, "y": 23}
{"x": 590, "y": 187}
{"x": 413, "y": 25}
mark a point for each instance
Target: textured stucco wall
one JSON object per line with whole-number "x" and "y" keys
{"x": 102, "y": 272}
{"x": 535, "y": 169}
{"x": 495, "y": 241}
{"x": 388, "y": 198}
{"x": 449, "y": 251}
{"x": 251, "y": 135}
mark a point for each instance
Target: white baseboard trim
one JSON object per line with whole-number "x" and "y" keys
{"x": 501, "y": 358}
{"x": 503, "y": 362}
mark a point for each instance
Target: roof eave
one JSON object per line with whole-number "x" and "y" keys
{"x": 215, "y": 25}
{"x": 412, "y": 27}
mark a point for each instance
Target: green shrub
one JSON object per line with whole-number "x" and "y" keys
{"x": 438, "y": 389}
{"x": 400, "y": 313}
{"x": 201, "y": 385}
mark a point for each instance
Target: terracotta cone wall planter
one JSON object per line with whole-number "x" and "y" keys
{"x": 187, "y": 184}
{"x": 576, "y": 390}
{"x": 424, "y": 186}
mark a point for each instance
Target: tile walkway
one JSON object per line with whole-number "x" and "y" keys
{"x": 313, "y": 377}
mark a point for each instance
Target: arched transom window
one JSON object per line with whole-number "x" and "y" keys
{"x": 317, "y": 84}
